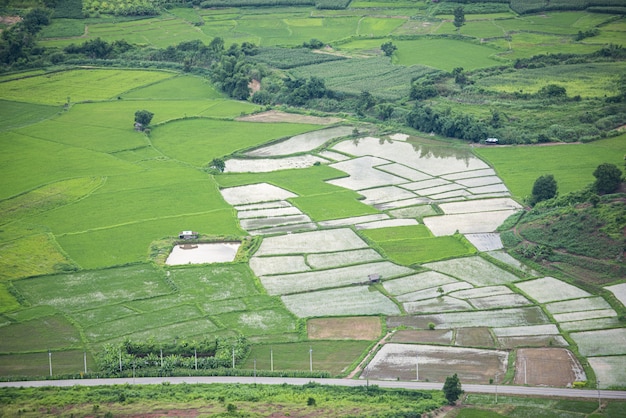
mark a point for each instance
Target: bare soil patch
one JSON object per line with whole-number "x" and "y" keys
{"x": 277, "y": 116}
{"x": 474, "y": 337}
{"x": 398, "y": 361}
{"x": 10, "y": 20}
{"x": 422, "y": 336}
{"x": 547, "y": 366}
{"x": 349, "y": 328}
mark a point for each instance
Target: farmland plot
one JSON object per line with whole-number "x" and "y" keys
{"x": 422, "y": 336}
{"x": 254, "y": 193}
{"x": 347, "y": 328}
{"x": 344, "y": 258}
{"x": 549, "y": 289}
{"x": 417, "y": 282}
{"x": 387, "y": 223}
{"x": 581, "y": 316}
{"x": 485, "y": 242}
{"x": 335, "y": 240}
{"x": 500, "y": 301}
{"x": 385, "y": 194}
{"x": 619, "y": 290}
{"x": 265, "y": 165}
{"x": 398, "y": 361}
{"x": 258, "y": 225}
{"x": 470, "y": 174}
{"x": 591, "y": 324}
{"x": 467, "y": 223}
{"x": 474, "y": 337}
{"x": 601, "y": 342}
{"x": 363, "y": 174}
{"x": 413, "y": 155}
{"x": 433, "y": 292}
{"x": 485, "y": 205}
{"x": 354, "y": 220}
{"x": 341, "y": 276}
{"x": 301, "y": 143}
{"x": 610, "y": 371}
{"x": 355, "y": 300}
{"x": 507, "y": 259}
{"x": 262, "y": 266}
{"x": 413, "y": 212}
{"x": 440, "y": 304}
{"x": 511, "y": 317}
{"x": 474, "y": 270}
{"x": 577, "y": 305}
{"x": 408, "y": 173}
{"x": 547, "y": 366}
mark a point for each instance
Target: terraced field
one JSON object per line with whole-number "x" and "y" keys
{"x": 326, "y": 227}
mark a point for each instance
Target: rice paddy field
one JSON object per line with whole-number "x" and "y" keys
{"x": 347, "y": 238}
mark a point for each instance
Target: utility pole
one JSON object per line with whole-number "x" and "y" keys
{"x": 311, "y": 359}
{"x": 50, "y": 361}
{"x": 85, "y": 361}
{"x": 255, "y": 372}
{"x": 120, "y": 360}
{"x": 271, "y": 359}
{"x": 233, "y": 356}
{"x": 497, "y": 375}
{"x": 599, "y": 401}
{"x": 195, "y": 354}
{"x": 525, "y": 380}
{"x": 417, "y": 367}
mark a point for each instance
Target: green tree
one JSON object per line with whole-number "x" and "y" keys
{"x": 35, "y": 19}
{"x": 459, "y": 17}
{"x": 217, "y": 164}
{"x": 388, "y": 48}
{"x": 545, "y": 188}
{"x": 552, "y": 91}
{"x": 452, "y": 389}
{"x": 143, "y": 117}
{"x": 608, "y": 178}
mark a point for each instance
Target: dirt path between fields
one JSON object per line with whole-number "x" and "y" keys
{"x": 361, "y": 365}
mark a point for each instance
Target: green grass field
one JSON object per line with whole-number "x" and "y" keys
{"x": 332, "y": 356}
{"x": 78, "y": 85}
{"x": 318, "y": 199}
{"x": 585, "y": 80}
{"x": 412, "y": 245}
{"x": 84, "y": 191}
{"x": 198, "y": 141}
{"x": 16, "y": 114}
{"x": 571, "y": 165}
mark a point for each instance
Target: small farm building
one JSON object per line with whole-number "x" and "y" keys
{"x": 492, "y": 141}
{"x": 188, "y": 235}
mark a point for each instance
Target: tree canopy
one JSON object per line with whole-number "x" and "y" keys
{"x": 452, "y": 389}
{"x": 545, "y": 188}
{"x": 459, "y": 17}
{"x": 143, "y": 117}
{"x": 388, "y": 48}
{"x": 608, "y": 178}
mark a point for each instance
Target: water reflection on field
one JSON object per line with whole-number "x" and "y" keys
{"x": 217, "y": 252}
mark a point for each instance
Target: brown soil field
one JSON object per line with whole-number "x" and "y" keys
{"x": 277, "y": 116}
{"x": 547, "y": 366}
{"x": 349, "y": 328}
{"x": 474, "y": 337}
{"x": 471, "y": 365}
{"x": 422, "y": 336}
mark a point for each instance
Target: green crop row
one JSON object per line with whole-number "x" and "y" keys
{"x": 290, "y": 58}
{"x": 412, "y": 245}
{"x": 375, "y": 75}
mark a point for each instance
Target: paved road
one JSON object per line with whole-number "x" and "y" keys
{"x": 501, "y": 390}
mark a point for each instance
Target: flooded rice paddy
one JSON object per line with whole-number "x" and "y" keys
{"x": 218, "y": 252}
